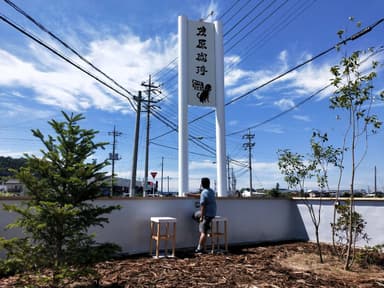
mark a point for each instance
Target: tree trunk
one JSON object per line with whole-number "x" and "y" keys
{"x": 318, "y": 243}
{"x": 351, "y": 204}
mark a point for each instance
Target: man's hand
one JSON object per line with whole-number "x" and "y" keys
{"x": 194, "y": 195}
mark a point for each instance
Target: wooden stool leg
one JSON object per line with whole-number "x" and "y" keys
{"x": 166, "y": 239}
{"x": 213, "y": 236}
{"x": 218, "y": 237}
{"x": 158, "y": 240}
{"x": 225, "y": 236}
{"x": 150, "y": 243}
{"x": 174, "y": 239}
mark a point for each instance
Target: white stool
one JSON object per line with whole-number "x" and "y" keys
{"x": 157, "y": 235}
{"x": 216, "y": 233}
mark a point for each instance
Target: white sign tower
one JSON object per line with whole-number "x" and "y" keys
{"x": 201, "y": 83}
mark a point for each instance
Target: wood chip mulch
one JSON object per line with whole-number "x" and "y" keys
{"x": 258, "y": 266}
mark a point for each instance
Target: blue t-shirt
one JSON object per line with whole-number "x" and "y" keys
{"x": 208, "y": 199}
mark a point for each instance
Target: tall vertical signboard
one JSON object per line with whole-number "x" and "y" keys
{"x": 201, "y": 64}
{"x": 201, "y": 83}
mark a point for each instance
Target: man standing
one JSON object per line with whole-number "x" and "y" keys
{"x": 206, "y": 213}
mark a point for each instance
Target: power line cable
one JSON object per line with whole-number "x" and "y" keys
{"x": 231, "y": 29}
{"x": 70, "y": 61}
{"x": 166, "y": 67}
{"x": 170, "y": 79}
{"x": 283, "y": 112}
{"x": 43, "y": 28}
{"x": 300, "y": 103}
{"x": 256, "y": 26}
{"x": 237, "y": 12}
{"x": 243, "y": 18}
{"x": 57, "y": 53}
{"x": 174, "y": 148}
{"x": 244, "y": 38}
{"x": 226, "y": 12}
{"x": 175, "y": 128}
{"x": 288, "y": 18}
{"x": 229, "y": 9}
{"x": 342, "y": 42}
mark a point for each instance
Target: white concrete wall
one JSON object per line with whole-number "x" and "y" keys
{"x": 249, "y": 221}
{"x": 371, "y": 210}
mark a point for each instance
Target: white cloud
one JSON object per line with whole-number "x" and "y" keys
{"x": 127, "y": 59}
{"x": 247, "y": 80}
{"x": 284, "y": 103}
{"x": 13, "y": 70}
{"x": 300, "y": 83}
{"x": 311, "y": 78}
{"x": 212, "y": 10}
{"x": 233, "y": 122}
{"x": 12, "y": 110}
{"x": 303, "y": 118}
{"x": 273, "y": 128}
{"x": 233, "y": 76}
{"x": 265, "y": 175}
{"x": 14, "y": 154}
{"x": 12, "y": 94}
{"x": 206, "y": 164}
{"x": 283, "y": 56}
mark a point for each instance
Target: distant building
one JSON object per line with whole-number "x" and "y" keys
{"x": 15, "y": 186}
{"x": 121, "y": 187}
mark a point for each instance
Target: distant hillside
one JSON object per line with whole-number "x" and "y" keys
{"x": 9, "y": 162}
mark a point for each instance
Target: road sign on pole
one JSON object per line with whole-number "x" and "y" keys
{"x": 153, "y": 173}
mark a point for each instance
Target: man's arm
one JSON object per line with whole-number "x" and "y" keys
{"x": 193, "y": 195}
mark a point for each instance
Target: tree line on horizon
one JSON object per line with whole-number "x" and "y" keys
{"x": 7, "y": 163}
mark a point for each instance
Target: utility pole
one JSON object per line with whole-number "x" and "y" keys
{"x": 132, "y": 188}
{"x": 229, "y": 176}
{"x": 162, "y": 172}
{"x": 113, "y": 156}
{"x": 248, "y": 146}
{"x": 150, "y": 88}
{"x": 233, "y": 181}
{"x": 168, "y": 184}
{"x": 375, "y": 182}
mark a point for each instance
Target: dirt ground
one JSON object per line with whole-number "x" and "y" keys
{"x": 278, "y": 265}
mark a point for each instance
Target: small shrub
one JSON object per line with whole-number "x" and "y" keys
{"x": 370, "y": 256}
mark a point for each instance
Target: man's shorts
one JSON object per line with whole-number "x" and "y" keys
{"x": 205, "y": 225}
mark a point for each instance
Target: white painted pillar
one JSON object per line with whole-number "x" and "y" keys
{"x": 183, "y": 105}
{"x": 220, "y": 113}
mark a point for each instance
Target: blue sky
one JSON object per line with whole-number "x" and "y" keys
{"x": 128, "y": 40}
